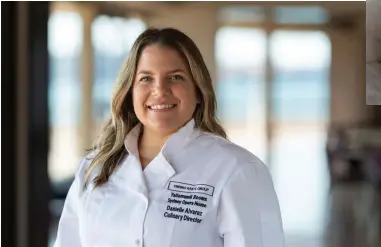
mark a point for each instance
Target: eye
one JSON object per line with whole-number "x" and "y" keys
{"x": 146, "y": 79}
{"x": 177, "y": 77}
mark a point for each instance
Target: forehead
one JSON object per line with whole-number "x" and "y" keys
{"x": 161, "y": 57}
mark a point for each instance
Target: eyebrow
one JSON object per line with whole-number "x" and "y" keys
{"x": 147, "y": 72}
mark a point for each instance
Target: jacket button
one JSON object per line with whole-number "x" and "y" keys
{"x": 137, "y": 242}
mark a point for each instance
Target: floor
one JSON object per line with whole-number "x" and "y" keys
{"x": 316, "y": 214}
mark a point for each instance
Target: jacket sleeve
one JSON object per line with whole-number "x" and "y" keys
{"x": 249, "y": 213}
{"x": 68, "y": 229}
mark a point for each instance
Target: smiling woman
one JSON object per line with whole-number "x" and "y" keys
{"x": 164, "y": 97}
{"x": 164, "y": 160}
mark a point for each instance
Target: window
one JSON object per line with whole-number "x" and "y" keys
{"x": 112, "y": 39}
{"x": 240, "y": 55}
{"x": 301, "y": 69}
{"x": 65, "y": 47}
{"x": 252, "y": 14}
{"x": 300, "y": 15}
{"x": 300, "y": 112}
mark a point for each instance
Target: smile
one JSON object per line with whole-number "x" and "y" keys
{"x": 161, "y": 107}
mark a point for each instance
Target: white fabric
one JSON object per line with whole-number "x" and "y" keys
{"x": 201, "y": 190}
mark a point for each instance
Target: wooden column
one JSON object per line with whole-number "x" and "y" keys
{"x": 88, "y": 14}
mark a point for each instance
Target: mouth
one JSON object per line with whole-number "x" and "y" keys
{"x": 162, "y": 107}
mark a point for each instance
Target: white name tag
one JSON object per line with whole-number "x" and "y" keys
{"x": 191, "y": 188}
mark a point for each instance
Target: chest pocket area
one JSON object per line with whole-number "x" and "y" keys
{"x": 194, "y": 211}
{"x": 191, "y": 205}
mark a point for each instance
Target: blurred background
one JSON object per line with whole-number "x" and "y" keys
{"x": 290, "y": 83}
{"x": 373, "y": 52}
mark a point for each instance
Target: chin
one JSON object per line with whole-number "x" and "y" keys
{"x": 165, "y": 126}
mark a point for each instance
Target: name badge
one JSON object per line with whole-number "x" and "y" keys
{"x": 191, "y": 188}
{"x": 190, "y": 206}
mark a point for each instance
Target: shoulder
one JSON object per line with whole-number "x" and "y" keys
{"x": 227, "y": 149}
{"x": 228, "y": 155}
{"x": 83, "y": 166}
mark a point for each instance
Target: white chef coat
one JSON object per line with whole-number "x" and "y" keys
{"x": 200, "y": 190}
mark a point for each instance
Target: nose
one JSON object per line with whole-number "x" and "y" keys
{"x": 161, "y": 88}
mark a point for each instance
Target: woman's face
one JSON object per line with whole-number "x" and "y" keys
{"x": 164, "y": 93}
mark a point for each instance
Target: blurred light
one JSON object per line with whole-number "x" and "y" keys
{"x": 112, "y": 39}
{"x": 296, "y": 50}
{"x": 65, "y": 34}
{"x": 300, "y": 15}
{"x": 251, "y": 14}
{"x": 114, "y": 35}
{"x": 240, "y": 47}
{"x": 299, "y": 112}
{"x": 240, "y": 57}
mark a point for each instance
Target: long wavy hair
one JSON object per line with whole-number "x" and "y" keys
{"x": 109, "y": 148}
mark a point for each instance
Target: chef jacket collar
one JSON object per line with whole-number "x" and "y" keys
{"x": 175, "y": 144}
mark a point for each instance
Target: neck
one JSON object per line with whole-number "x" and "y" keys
{"x": 150, "y": 144}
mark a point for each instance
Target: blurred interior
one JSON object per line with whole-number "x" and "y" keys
{"x": 290, "y": 84}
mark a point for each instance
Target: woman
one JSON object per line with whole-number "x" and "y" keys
{"x": 163, "y": 173}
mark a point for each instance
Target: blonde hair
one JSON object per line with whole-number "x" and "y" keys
{"x": 109, "y": 148}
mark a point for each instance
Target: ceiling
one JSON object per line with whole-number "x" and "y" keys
{"x": 157, "y": 8}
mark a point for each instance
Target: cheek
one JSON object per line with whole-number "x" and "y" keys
{"x": 187, "y": 95}
{"x": 138, "y": 98}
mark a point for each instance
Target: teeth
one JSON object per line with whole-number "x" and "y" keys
{"x": 160, "y": 107}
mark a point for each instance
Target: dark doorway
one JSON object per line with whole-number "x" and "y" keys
{"x": 24, "y": 82}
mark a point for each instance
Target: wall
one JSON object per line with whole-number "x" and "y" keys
{"x": 348, "y": 75}
{"x": 198, "y": 21}
{"x": 373, "y": 52}
{"x": 348, "y": 54}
